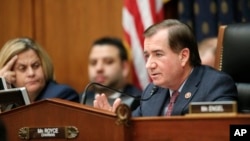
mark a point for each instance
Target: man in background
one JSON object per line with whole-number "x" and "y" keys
{"x": 207, "y": 49}
{"x": 109, "y": 66}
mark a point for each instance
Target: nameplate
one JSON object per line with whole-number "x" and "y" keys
{"x": 213, "y": 107}
{"x": 66, "y": 132}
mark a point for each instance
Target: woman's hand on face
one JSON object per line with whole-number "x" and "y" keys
{"x": 7, "y": 72}
{"x": 101, "y": 102}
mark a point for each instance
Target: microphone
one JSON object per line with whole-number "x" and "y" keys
{"x": 3, "y": 84}
{"x": 152, "y": 92}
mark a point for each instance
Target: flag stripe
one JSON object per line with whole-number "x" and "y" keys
{"x": 136, "y": 47}
{"x": 134, "y": 14}
{"x": 145, "y": 11}
{"x": 137, "y": 16}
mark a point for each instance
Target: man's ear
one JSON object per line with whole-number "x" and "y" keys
{"x": 126, "y": 69}
{"x": 184, "y": 56}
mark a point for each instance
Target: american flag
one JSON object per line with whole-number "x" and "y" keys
{"x": 137, "y": 15}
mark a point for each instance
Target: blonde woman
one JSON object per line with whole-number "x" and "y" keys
{"x": 24, "y": 63}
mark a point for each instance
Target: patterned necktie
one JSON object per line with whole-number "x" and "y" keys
{"x": 171, "y": 103}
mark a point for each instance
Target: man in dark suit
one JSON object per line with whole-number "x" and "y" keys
{"x": 174, "y": 65}
{"x": 109, "y": 66}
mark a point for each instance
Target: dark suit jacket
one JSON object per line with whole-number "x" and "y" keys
{"x": 204, "y": 84}
{"x": 129, "y": 89}
{"x": 55, "y": 90}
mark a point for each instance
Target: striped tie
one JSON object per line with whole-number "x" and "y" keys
{"x": 171, "y": 103}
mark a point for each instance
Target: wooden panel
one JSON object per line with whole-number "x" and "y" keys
{"x": 15, "y": 19}
{"x": 92, "y": 124}
{"x": 181, "y": 128}
{"x": 66, "y": 29}
{"x": 96, "y": 124}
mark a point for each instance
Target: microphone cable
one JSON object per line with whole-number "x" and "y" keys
{"x": 152, "y": 92}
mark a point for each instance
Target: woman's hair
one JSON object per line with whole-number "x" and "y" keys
{"x": 18, "y": 45}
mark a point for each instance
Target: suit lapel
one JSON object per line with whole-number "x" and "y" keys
{"x": 188, "y": 91}
{"x": 156, "y": 103}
